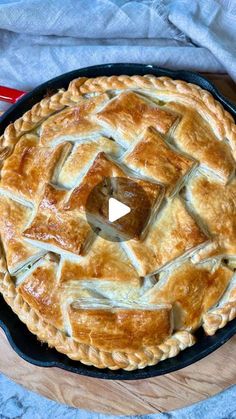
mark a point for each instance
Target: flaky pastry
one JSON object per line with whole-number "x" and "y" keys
{"x": 132, "y": 303}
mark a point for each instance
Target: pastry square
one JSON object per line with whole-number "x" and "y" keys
{"x": 105, "y": 261}
{"x": 39, "y": 288}
{"x": 152, "y": 156}
{"x": 215, "y": 205}
{"x": 82, "y": 157}
{"x": 104, "y": 274}
{"x": 54, "y": 229}
{"x": 25, "y": 172}
{"x": 128, "y": 114}
{"x": 126, "y": 189}
{"x": 172, "y": 235}
{"x": 125, "y": 329}
{"x": 72, "y": 123}
{"x": 192, "y": 290}
{"x": 14, "y": 218}
{"x": 195, "y": 137}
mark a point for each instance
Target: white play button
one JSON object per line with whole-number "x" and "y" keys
{"x": 116, "y": 209}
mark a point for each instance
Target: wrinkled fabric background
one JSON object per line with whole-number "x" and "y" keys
{"x": 40, "y": 39}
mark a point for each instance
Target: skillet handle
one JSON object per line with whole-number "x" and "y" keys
{"x": 7, "y": 94}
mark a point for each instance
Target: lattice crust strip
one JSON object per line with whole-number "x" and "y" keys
{"x": 132, "y": 304}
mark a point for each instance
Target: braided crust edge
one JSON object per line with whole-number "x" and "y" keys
{"x": 191, "y": 94}
{"x": 32, "y": 118}
{"x": 222, "y": 122}
{"x": 219, "y": 317}
{"x": 87, "y": 354}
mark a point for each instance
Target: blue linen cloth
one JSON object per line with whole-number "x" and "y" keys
{"x": 40, "y": 39}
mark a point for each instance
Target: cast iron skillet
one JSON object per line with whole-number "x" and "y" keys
{"x": 24, "y": 342}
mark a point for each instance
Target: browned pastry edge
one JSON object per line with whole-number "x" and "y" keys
{"x": 201, "y": 99}
{"x": 33, "y": 117}
{"x": 87, "y": 354}
{"x": 217, "y": 318}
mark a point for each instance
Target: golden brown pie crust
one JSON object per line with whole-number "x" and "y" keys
{"x": 109, "y": 304}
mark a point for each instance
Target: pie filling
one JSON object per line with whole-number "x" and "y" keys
{"x": 174, "y": 272}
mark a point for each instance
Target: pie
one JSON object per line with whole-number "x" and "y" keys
{"x": 133, "y": 302}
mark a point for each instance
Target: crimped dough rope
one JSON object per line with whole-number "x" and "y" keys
{"x": 32, "y": 118}
{"x": 85, "y": 353}
{"x": 191, "y": 94}
{"x": 201, "y": 99}
{"x": 219, "y": 317}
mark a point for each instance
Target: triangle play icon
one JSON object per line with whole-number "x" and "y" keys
{"x": 116, "y": 209}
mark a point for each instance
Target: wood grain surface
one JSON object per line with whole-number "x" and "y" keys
{"x": 205, "y": 378}
{"x": 172, "y": 391}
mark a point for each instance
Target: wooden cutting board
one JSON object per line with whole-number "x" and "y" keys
{"x": 205, "y": 378}
{"x": 172, "y": 391}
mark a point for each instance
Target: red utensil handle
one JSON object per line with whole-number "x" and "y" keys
{"x": 7, "y": 94}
